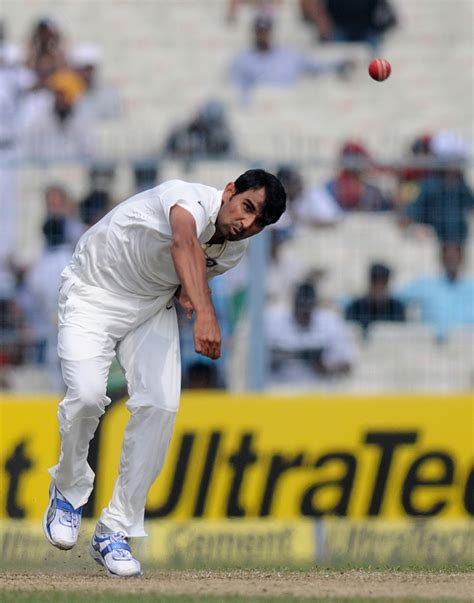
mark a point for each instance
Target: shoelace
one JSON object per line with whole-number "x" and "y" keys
{"x": 71, "y": 519}
{"x": 120, "y": 554}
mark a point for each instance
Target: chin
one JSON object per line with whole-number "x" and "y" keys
{"x": 239, "y": 237}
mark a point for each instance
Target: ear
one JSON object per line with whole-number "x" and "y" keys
{"x": 229, "y": 191}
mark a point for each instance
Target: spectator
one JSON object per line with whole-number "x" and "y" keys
{"x": 145, "y": 174}
{"x": 267, "y": 64}
{"x": 102, "y": 176}
{"x": 59, "y": 205}
{"x": 14, "y": 334}
{"x": 45, "y": 54}
{"x": 94, "y": 206}
{"x": 207, "y": 135}
{"x": 307, "y": 341}
{"x": 100, "y": 101}
{"x": 445, "y": 301}
{"x": 444, "y": 198}
{"x": 285, "y": 266}
{"x": 42, "y": 283}
{"x": 350, "y": 187}
{"x": 354, "y": 21}
{"x": 99, "y": 199}
{"x": 377, "y": 303}
{"x": 416, "y": 168}
{"x": 312, "y": 206}
{"x": 201, "y": 375}
{"x": 15, "y": 83}
{"x": 52, "y": 130}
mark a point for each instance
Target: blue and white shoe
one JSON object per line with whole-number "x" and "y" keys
{"x": 112, "y": 551}
{"x": 61, "y": 522}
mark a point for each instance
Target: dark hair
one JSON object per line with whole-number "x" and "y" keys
{"x": 263, "y": 21}
{"x": 201, "y": 375}
{"x": 54, "y": 231}
{"x": 305, "y": 293}
{"x": 94, "y": 206}
{"x": 379, "y": 272}
{"x": 275, "y": 195}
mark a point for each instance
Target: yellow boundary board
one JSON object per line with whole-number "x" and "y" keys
{"x": 268, "y": 456}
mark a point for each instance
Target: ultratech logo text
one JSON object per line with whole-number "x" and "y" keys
{"x": 432, "y": 482}
{"x": 386, "y": 445}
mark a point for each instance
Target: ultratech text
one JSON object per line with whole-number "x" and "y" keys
{"x": 443, "y": 482}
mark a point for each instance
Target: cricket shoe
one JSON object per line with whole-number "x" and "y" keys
{"x": 112, "y": 551}
{"x": 61, "y": 522}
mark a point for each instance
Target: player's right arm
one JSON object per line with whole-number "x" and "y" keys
{"x": 190, "y": 264}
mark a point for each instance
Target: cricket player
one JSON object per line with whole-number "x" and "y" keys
{"x": 117, "y": 298}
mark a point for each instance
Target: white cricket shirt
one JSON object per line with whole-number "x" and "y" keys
{"x": 128, "y": 251}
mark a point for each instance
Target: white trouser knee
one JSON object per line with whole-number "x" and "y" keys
{"x": 79, "y": 414}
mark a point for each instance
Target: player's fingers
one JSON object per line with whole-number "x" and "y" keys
{"x": 215, "y": 351}
{"x": 210, "y": 349}
{"x": 202, "y": 347}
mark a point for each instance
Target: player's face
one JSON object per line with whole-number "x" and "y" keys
{"x": 239, "y": 216}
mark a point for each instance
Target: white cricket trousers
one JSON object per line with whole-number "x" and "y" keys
{"x": 94, "y": 325}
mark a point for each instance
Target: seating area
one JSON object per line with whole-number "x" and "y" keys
{"x": 406, "y": 358}
{"x": 168, "y": 57}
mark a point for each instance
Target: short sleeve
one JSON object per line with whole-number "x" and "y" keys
{"x": 193, "y": 198}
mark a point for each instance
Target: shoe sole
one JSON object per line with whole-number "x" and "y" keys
{"x": 58, "y": 545}
{"x": 98, "y": 559}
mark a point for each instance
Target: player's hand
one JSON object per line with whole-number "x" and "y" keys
{"x": 184, "y": 301}
{"x": 207, "y": 336}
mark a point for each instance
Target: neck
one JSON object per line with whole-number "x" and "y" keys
{"x": 452, "y": 276}
{"x": 63, "y": 113}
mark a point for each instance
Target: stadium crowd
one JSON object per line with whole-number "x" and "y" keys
{"x": 53, "y": 99}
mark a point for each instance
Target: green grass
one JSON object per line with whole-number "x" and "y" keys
{"x": 78, "y": 597}
{"x": 72, "y": 566}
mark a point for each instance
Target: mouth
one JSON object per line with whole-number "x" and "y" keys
{"x": 235, "y": 231}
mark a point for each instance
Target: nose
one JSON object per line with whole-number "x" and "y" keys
{"x": 247, "y": 222}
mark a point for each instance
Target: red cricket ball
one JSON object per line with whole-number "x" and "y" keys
{"x": 380, "y": 69}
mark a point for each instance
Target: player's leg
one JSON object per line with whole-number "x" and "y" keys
{"x": 151, "y": 360}
{"x": 79, "y": 414}
{"x": 86, "y": 350}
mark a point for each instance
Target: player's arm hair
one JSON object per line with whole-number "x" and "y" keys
{"x": 189, "y": 259}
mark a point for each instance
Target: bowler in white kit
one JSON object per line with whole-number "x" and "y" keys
{"x": 117, "y": 297}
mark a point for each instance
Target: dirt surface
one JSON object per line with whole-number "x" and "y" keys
{"x": 320, "y": 583}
